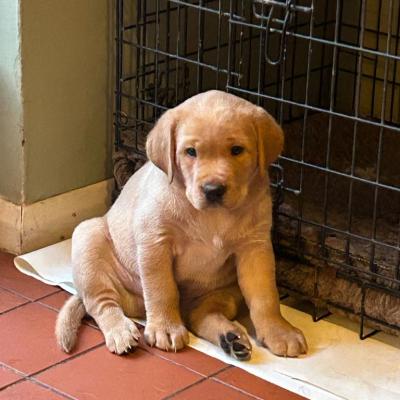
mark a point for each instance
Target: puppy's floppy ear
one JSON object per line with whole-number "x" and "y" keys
{"x": 269, "y": 139}
{"x": 160, "y": 144}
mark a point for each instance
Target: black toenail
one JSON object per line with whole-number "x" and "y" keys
{"x": 231, "y": 336}
{"x": 129, "y": 351}
{"x": 243, "y": 356}
{"x": 224, "y": 344}
{"x": 238, "y": 346}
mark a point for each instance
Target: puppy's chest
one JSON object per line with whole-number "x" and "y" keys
{"x": 202, "y": 257}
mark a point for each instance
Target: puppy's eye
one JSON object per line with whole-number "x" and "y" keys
{"x": 236, "y": 150}
{"x": 191, "y": 151}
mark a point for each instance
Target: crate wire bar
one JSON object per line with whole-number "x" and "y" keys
{"x": 329, "y": 73}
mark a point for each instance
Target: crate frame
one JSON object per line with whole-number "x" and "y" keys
{"x": 161, "y": 78}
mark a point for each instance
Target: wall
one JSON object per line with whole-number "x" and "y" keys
{"x": 66, "y": 70}
{"x": 66, "y": 101}
{"x": 11, "y": 132}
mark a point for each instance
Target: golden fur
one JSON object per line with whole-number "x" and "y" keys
{"x": 166, "y": 253}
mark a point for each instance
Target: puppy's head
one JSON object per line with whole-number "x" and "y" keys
{"x": 215, "y": 144}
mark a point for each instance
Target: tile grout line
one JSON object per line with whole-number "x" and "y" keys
{"x": 51, "y": 388}
{"x": 216, "y": 379}
{"x": 171, "y": 396}
{"x": 16, "y": 371}
{"x": 39, "y": 383}
{"x": 51, "y": 294}
{"x": 13, "y": 291}
{"x": 33, "y": 374}
{"x": 182, "y": 365}
{"x": 13, "y": 308}
{"x": 26, "y": 378}
{"x": 178, "y": 364}
{"x": 229, "y": 366}
{"x": 205, "y": 378}
{"x": 238, "y": 389}
{"x": 23, "y": 379}
{"x": 28, "y": 300}
{"x": 51, "y": 308}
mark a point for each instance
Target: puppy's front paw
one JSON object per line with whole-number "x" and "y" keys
{"x": 282, "y": 338}
{"x": 166, "y": 335}
{"x": 123, "y": 337}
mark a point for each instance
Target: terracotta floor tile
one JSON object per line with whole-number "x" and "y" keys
{"x": 56, "y": 300}
{"x": 99, "y": 374}
{"x": 28, "y": 342}
{"x": 28, "y": 390}
{"x": 11, "y": 278}
{"x": 7, "y": 377}
{"x": 187, "y": 357}
{"x": 9, "y": 300}
{"x": 255, "y": 386}
{"x": 210, "y": 390}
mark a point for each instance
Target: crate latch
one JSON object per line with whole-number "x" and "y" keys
{"x": 276, "y": 25}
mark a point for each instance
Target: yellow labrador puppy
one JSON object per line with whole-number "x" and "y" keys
{"x": 188, "y": 239}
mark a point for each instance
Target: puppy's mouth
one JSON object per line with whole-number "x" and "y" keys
{"x": 226, "y": 202}
{"x": 206, "y": 204}
{"x": 202, "y": 203}
{"x": 214, "y": 199}
{"x": 214, "y": 204}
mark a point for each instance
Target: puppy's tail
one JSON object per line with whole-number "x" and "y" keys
{"x": 68, "y": 322}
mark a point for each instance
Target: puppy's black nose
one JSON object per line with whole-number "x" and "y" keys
{"x": 214, "y": 192}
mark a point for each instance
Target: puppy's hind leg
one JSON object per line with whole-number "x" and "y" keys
{"x": 99, "y": 287}
{"x": 210, "y": 319}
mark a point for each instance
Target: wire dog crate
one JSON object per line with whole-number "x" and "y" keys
{"x": 329, "y": 71}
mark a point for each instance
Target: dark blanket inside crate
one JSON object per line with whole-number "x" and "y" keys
{"x": 351, "y": 224}
{"x": 339, "y": 295}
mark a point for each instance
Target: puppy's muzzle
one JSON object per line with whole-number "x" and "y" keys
{"x": 214, "y": 192}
